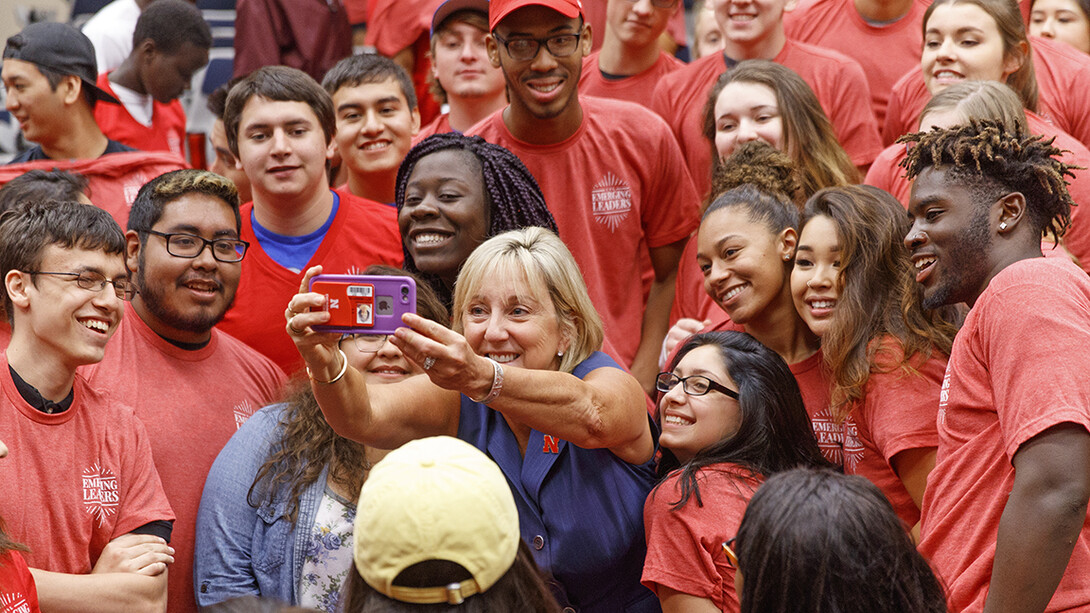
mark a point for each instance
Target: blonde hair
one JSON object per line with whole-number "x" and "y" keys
{"x": 543, "y": 259}
{"x": 980, "y": 100}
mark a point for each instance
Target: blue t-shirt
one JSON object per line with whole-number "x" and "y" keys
{"x": 293, "y": 252}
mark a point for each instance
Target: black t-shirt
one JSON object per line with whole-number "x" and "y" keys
{"x": 35, "y": 153}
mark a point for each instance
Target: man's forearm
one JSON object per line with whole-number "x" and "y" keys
{"x": 1041, "y": 521}
{"x": 656, "y": 322}
{"x": 102, "y": 592}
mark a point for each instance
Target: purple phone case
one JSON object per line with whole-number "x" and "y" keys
{"x": 393, "y": 296}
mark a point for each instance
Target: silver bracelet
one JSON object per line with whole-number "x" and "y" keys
{"x": 497, "y": 383}
{"x": 344, "y": 369}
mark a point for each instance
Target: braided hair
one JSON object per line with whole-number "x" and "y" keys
{"x": 994, "y": 160}
{"x": 514, "y": 199}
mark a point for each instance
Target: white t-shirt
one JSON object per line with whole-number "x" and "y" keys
{"x": 110, "y": 31}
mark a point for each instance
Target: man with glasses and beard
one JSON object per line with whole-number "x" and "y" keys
{"x": 191, "y": 385}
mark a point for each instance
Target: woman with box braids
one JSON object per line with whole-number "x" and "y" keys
{"x": 453, "y": 192}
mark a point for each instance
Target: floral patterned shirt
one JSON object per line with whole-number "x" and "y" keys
{"x": 328, "y": 554}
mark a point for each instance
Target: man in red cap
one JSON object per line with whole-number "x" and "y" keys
{"x": 462, "y": 76}
{"x": 611, "y": 172}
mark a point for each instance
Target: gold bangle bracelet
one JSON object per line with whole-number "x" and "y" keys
{"x": 344, "y": 369}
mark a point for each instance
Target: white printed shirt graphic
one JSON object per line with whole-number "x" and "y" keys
{"x": 853, "y": 447}
{"x": 243, "y": 411}
{"x": 611, "y": 201}
{"x": 13, "y": 603}
{"x": 100, "y": 493}
{"x": 944, "y": 397}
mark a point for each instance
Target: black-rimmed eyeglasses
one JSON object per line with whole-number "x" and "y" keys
{"x": 525, "y": 49}
{"x": 228, "y": 250}
{"x": 693, "y": 385}
{"x": 95, "y": 282}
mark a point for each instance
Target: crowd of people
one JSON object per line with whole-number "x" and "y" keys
{"x": 799, "y": 325}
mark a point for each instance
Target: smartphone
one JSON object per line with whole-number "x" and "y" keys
{"x": 367, "y": 304}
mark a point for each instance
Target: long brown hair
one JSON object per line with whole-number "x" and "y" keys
{"x": 878, "y": 297}
{"x": 1008, "y": 19}
{"x": 6, "y": 544}
{"x": 307, "y": 443}
{"x": 808, "y": 135}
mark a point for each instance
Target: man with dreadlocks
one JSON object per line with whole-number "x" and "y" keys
{"x": 1005, "y": 513}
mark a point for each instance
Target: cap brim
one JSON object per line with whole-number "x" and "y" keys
{"x": 568, "y": 10}
{"x": 99, "y": 93}
{"x": 450, "y": 7}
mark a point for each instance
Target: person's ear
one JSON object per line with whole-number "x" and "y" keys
{"x": 416, "y": 121}
{"x": 70, "y": 88}
{"x": 789, "y": 239}
{"x": 132, "y": 250}
{"x": 146, "y": 49}
{"x": 1011, "y": 211}
{"x": 587, "y": 38}
{"x": 1013, "y": 60}
{"x": 15, "y": 283}
{"x": 493, "y": 50}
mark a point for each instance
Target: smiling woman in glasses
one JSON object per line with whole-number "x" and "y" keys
{"x": 732, "y": 415}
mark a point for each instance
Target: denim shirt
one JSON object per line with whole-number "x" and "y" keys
{"x": 580, "y": 510}
{"x": 241, "y": 550}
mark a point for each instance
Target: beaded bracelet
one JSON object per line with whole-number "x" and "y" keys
{"x": 344, "y": 369}
{"x": 497, "y": 383}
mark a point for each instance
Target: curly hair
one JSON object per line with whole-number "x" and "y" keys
{"x": 762, "y": 181}
{"x": 992, "y": 161}
{"x": 308, "y": 443}
{"x": 514, "y": 198}
{"x": 878, "y": 299}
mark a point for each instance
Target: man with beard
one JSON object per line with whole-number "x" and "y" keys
{"x": 191, "y": 384}
{"x": 1004, "y": 516}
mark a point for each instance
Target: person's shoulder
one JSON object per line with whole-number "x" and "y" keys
{"x": 1054, "y": 275}
{"x": 240, "y": 351}
{"x": 623, "y": 117}
{"x": 1059, "y": 56}
{"x": 693, "y": 74}
{"x": 33, "y": 154}
{"x": 817, "y": 56}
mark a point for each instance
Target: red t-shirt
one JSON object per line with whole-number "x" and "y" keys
{"x": 887, "y": 174}
{"x": 837, "y": 25}
{"x": 363, "y": 232}
{"x": 897, "y": 414}
{"x": 1018, "y": 368}
{"x": 685, "y": 547}
{"x": 636, "y": 88}
{"x": 191, "y": 402}
{"x": 837, "y": 81}
{"x": 17, "y": 591}
{"x": 78, "y": 480}
{"x": 816, "y": 389}
{"x": 112, "y": 180}
{"x": 440, "y": 125}
{"x": 166, "y": 132}
{"x": 1062, "y": 72}
{"x": 395, "y": 25}
{"x": 618, "y": 181}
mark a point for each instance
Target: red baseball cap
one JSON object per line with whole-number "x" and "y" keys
{"x": 498, "y": 9}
